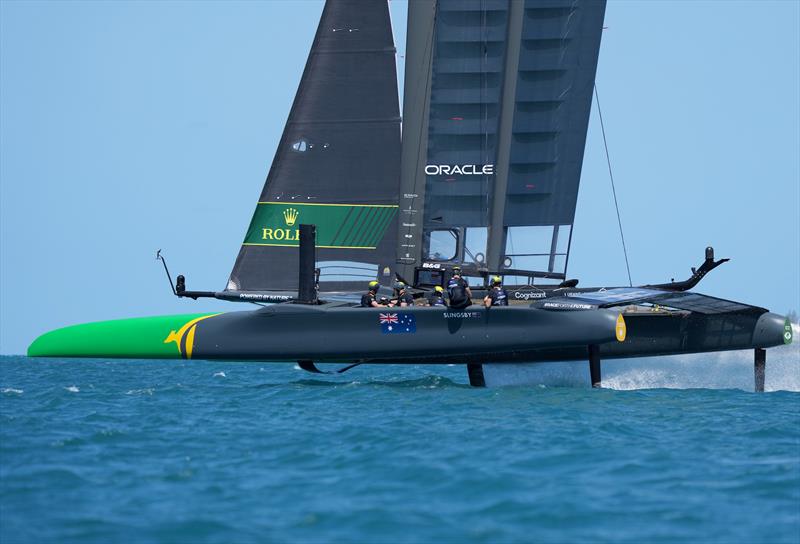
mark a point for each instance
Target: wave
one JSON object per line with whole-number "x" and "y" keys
{"x": 147, "y": 391}
{"x": 432, "y": 381}
{"x": 428, "y": 382}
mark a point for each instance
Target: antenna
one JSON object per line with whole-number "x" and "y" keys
{"x": 159, "y": 257}
{"x": 179, "y": 289}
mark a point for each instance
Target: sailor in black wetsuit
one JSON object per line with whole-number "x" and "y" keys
{"x": 437, "y": 297}
{"x": 369, "y": 300}
{"x": 403, "y": 297}
{"x": 497, "y": 296}
{"x": 458, "y": 290}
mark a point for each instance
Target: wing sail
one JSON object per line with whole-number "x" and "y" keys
{"x": 337, "y": 162}
{"x": 492, "y": 151}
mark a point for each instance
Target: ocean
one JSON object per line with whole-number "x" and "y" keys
{"x": 671, "y": 450}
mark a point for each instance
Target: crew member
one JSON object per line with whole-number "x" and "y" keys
{"x": 437, "y": 297}
{"x": 497, "y": 296}
{"x": 402, "y": 296}
{"x": 458, "y": 290}
{"x": 369, "y": 300}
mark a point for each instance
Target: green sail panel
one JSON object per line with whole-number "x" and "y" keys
{"x": 342, "y": 226}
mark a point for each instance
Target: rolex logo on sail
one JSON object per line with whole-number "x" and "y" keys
{"x": 288, "y": 235}
{"x": 339, "y": 225}
{"x": 290, "y": 215}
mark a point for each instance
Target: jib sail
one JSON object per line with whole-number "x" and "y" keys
{"x": 492, "y": 149}
{"x": 337, "y": 164}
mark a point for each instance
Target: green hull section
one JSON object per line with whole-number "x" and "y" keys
{"x": 160, "y": 337}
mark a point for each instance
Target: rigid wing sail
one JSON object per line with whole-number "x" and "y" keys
{"x": 493, "y": 148}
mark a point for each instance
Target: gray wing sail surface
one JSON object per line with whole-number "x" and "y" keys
{"x": 337, "y": 162}
{"x": 498, "y": 95}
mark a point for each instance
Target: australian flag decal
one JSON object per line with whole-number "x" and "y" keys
{"x": 398, "y": 323}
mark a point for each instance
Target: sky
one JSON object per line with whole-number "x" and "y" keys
{"x": 128, "y": 127}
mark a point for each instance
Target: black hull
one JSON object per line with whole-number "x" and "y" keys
{"x": 474, "y": 335}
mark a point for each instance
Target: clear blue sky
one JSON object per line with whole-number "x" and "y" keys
{"x": 131, "y": 126}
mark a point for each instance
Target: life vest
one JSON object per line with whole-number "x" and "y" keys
{"x": 457, "y": 292}
{"x": 499, "y": 297}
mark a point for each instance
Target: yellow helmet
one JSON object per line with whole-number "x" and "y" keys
{"x": 497, "y": 280}
{"x": 373, "y": 285}
{"x": 438, "y": 289}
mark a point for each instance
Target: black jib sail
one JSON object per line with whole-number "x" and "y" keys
{"x": 337, "y": 164}
{"x": 494, "y": 136}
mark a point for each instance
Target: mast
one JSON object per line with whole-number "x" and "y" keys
{"x": 416, "y": 109}
{"x": 497, "y": 239}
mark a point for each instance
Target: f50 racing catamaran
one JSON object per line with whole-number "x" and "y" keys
{"x": 496, "y": 106}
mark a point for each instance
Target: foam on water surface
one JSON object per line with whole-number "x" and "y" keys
{"x": 724, "y": 370}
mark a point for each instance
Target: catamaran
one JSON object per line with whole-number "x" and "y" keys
{"x": 484, "y": 176}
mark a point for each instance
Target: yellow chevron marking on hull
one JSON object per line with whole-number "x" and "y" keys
{"x": 176, "y": 336}
{"x": 190, "y": 342}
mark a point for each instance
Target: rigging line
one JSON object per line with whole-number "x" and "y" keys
{"x": 613, "y": 188}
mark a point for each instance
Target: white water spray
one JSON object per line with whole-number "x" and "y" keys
{"x": 723, "y": 370}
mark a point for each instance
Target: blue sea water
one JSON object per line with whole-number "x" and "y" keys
{"x": 195, "y": 451}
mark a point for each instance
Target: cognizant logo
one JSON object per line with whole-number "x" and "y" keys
{"x": 461, "y": 169}
{"x": 528, "y": 295}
